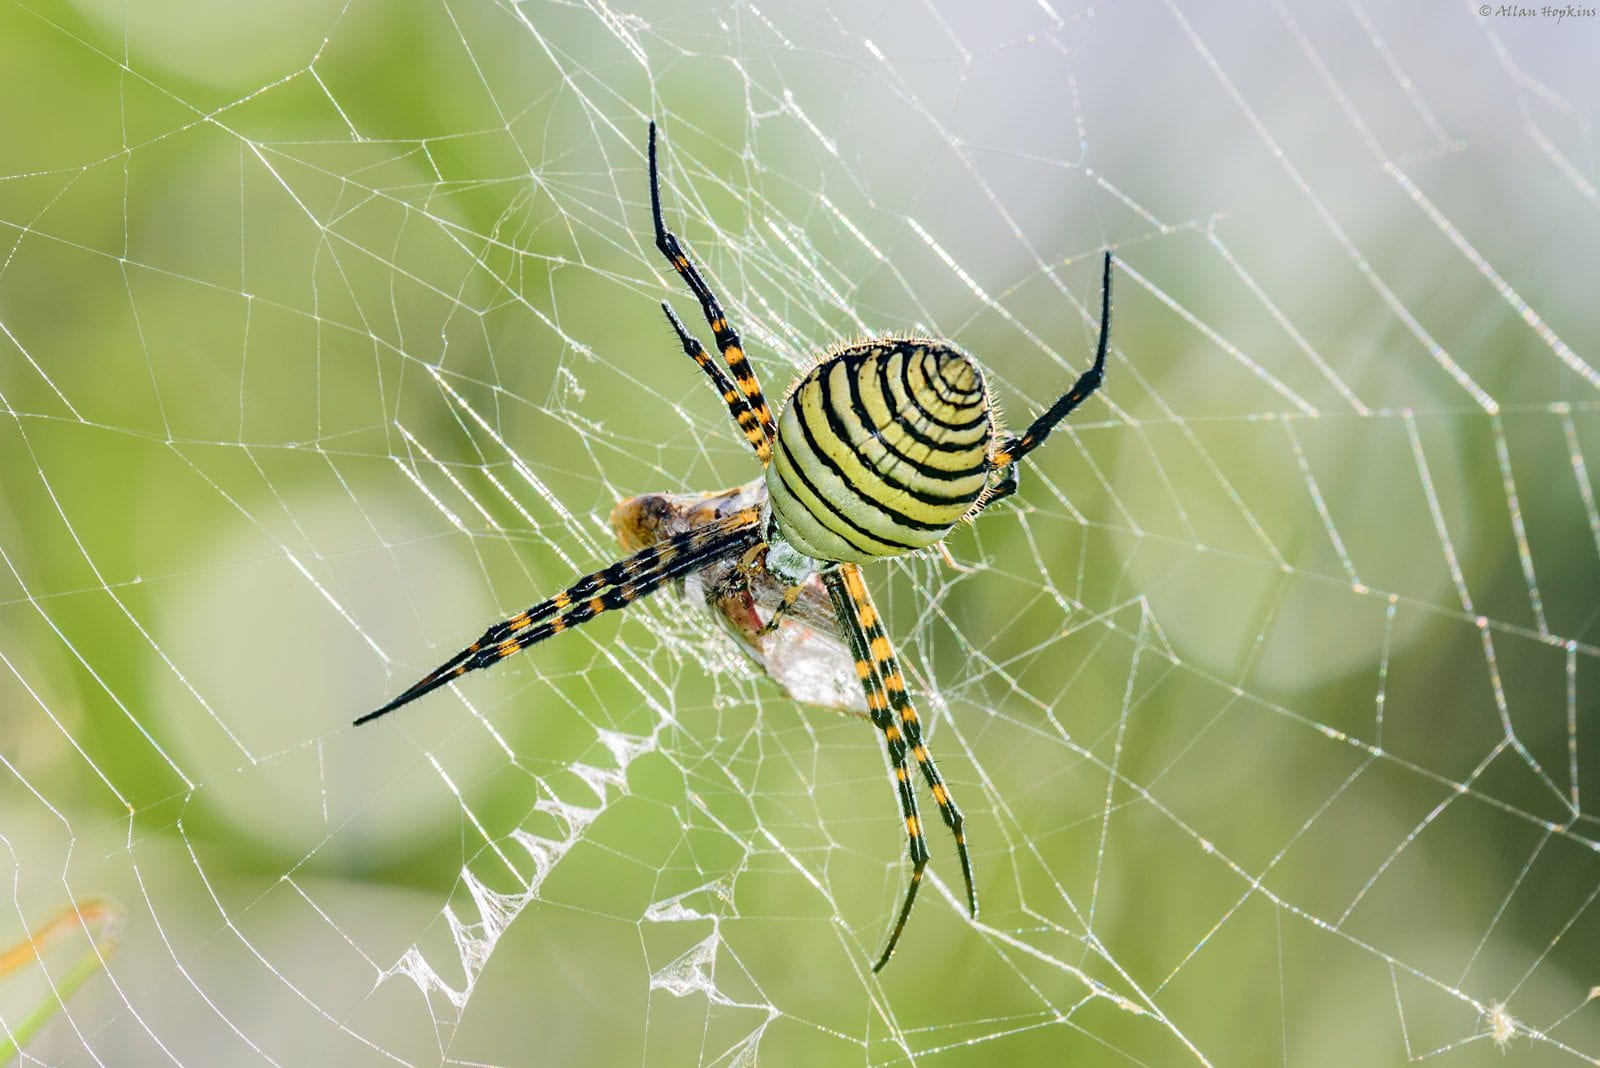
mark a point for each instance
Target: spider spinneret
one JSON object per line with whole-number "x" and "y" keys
{"x": 880, "y": 449}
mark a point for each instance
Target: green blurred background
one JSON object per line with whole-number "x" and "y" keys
{"x": 329, "y": 334}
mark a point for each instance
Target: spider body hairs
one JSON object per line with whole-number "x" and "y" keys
{"x": 881, "y": 449}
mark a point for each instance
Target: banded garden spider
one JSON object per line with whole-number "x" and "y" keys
{"x": 880, "y": 449}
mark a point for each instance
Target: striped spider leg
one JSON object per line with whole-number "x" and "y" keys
{"x": 893, "y": 713}
{"x": 743, "y": 396}
{"x": 605, "y": 590}
{"x": 1016, "y": 446}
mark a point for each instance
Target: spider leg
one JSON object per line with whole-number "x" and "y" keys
{"x": 609, "y": 588}
{"x": 887, "y": 667}
{"x": 726, "y": 338}
{"x": 1015, "y": 447}
{"x": 893, "y": 713}
{"x": 743, "y": 414}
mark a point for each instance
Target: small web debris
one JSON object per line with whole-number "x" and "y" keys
{"x": 1500, "y": 1025}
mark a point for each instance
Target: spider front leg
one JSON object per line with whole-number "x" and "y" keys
{"x": 605, "y": 590}
{"x": 746, "y": 402}
{"x": 893, "y": 713}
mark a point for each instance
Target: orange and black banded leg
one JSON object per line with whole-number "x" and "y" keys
{"x": 727, "y": 339}
{"x": 883, "y": 719}
{"x": 887, "y": 667}
{"x": 1015, "y": 447}
{"x": 732, "y": 395}
{"x": 609, "y": 588}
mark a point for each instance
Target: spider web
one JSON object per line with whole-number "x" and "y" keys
{"x": 329, "y": 334}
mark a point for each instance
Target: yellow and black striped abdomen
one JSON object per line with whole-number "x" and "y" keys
{"x": 881, "y": 449}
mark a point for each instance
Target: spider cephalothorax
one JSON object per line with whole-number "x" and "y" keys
{"x": 880, "y": 449}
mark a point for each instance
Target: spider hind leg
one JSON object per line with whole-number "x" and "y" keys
{"x": 893, "y": 713}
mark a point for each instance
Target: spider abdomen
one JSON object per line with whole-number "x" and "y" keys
{"x": 881, "y": 449}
